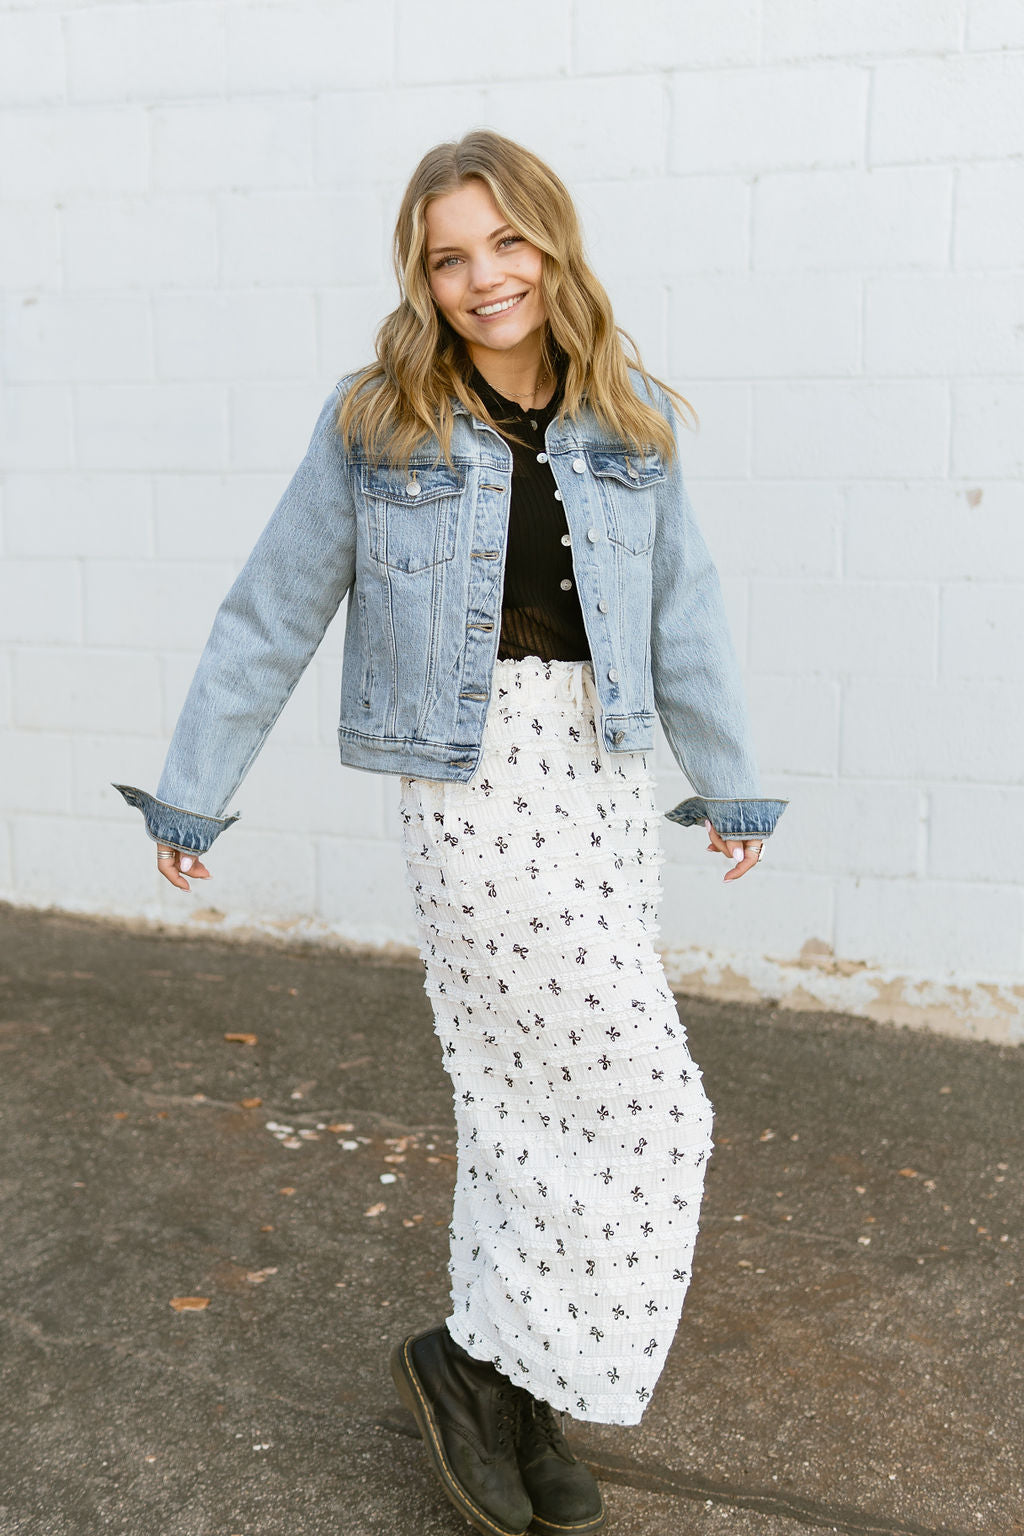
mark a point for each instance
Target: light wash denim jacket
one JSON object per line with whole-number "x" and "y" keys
{"x": 420, "y": 556}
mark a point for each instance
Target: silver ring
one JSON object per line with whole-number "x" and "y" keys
{"x": 760, "y": 854}
{"x": 168, "y": 853}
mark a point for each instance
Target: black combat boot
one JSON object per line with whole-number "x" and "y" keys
{"x": 468, "y": 1414}
{"x": 563, "y": 1491}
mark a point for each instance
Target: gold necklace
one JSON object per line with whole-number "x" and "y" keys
{"x": 541, "y": 381}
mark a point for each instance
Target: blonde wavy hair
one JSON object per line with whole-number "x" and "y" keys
{"x": 404, "y": 397}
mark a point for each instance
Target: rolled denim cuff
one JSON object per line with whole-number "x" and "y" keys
{"x": 169, "y": 824}
{"x": 731, "y": 819}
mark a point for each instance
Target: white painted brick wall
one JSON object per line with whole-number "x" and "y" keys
{"x": 153, "y": 242}
{"x": 955, "y": 531}
{"x": 101, "y": 336}
{"x": 986, "y": 437}
{"x": 969, "y": 840}
{"x": 534, "y": 48}
{"x": 942, "y": 926}
{"x": 85, "y": 691}
{"x": 31, "y": 58}
{"x": 804, "y": 29}
{"x": 36, "y": 429}
{"x": 30, "y": 249}
{"x": 52, "y": 150}
{"x": 257, "y": 335}
{"x": 145, "y": 52}
{"x": 844, "y": 629}
{"x": 962, "y": 107}
{"x": 210, "y": 146}
{"x": 37, "y": 771}
{"x": 995, "y": 24}
{"x": 305, "y": 241}
{"x": 768, "y": 326}
{"x": 6, "y": 690}
{"x": 342, "y": 45}
{"x": 954, "y": 731}
{"x": 40, "y": 602}
{"x": 222, "y": 515}
{"x": 948, "y": 324}
{"x": 796, "y": 720}
{"x": 608, "y": 40}
{"x": 79, "y": 514}
{"x": 158, "y": 605}
{"x": 989, "y": 227}
{"x": 981, "y": 631}
{"x": 851, "y": 221}
{"x": 151, "y": 426}
{"x": 851, "y": 429}
{"x": 812, "y": 219}
{"x": 752, "y": 119}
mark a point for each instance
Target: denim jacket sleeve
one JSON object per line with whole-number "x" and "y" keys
{"x": 264, "y": 635}
{"x": 698, "y": 690}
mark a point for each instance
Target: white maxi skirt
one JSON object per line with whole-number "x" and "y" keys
{"x": 583, "y": 1126}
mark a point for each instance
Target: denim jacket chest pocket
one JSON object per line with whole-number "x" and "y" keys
{"x": 411, "y": 516}
{"x": 626, "y": 482}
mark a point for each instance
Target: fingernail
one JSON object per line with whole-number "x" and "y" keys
{"x": 186, "y": 863}
{"x": 738, "y": 855}
{"x": 707, "y": 825}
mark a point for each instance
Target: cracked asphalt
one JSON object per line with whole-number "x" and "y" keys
{"x": 849, "y": 1355}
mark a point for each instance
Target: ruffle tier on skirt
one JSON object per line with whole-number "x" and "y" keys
{"x": 583, "y": 1126}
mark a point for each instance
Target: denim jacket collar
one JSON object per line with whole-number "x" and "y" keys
{"x": 571, "y": 434}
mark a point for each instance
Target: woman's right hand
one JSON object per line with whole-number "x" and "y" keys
{"x": 174, "y": 865}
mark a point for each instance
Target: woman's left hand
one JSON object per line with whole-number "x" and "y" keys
{"x": 744, "y": 854}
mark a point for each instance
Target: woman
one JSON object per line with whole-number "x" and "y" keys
{"x": 499, "y": 497}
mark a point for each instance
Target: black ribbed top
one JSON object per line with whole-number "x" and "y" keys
{"x": 540, "y": 607}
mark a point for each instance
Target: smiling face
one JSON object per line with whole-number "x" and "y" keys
{"x": 485, "y": 278}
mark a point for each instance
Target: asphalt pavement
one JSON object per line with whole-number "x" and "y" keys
{"x": 226, "y": 1172}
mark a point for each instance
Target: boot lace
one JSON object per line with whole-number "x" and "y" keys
{"x": 548, "y": 1424}
{"x": 509, "y": 1409}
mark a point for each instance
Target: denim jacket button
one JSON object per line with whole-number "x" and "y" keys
{"x": 558, "y": 495}
{"x": 602, "y": 606}
{"x": 565, "y": 584}
{"x": 566, "y": 539}
{"x": 617, "y": 737}
{"x": 579, "y": 466}
{"x": 542, "y": 458}
{"x": 593, "y": 535}
{"x": 613, "y": 676}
